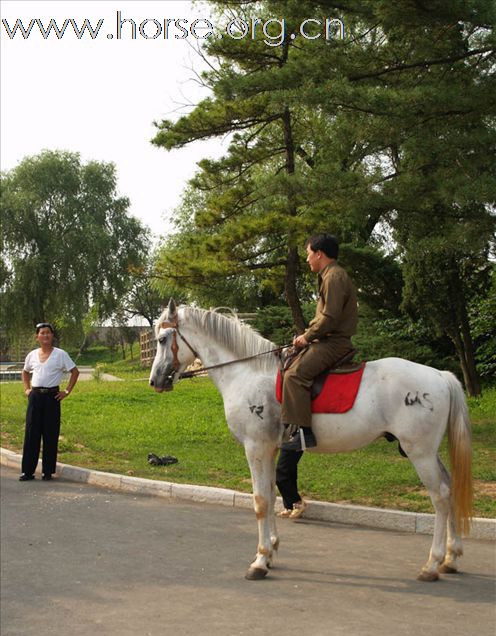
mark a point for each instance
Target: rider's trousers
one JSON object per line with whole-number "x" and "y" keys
{"x": 298, "y": 379}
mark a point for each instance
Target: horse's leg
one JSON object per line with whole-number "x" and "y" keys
{"x": 261, "y": 462}
{"x": 429, "y": 471}
{"x": 454, "y": 548}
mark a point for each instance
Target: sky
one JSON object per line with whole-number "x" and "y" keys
{"x": 99, "y": 97}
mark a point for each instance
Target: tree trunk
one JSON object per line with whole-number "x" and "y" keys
{"x": 463, "y": 339}
{"x": 84, "y": 345}
{"x": 292, "y": 263}
{"x": 467, "y": 364}
{"x": 468, "y": 347}
{"x": 290, "y": 290}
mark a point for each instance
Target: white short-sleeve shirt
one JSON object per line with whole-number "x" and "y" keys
{"x": 49, "y": 373}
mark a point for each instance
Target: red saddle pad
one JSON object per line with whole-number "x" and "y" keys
{"x": 338, "y": 393}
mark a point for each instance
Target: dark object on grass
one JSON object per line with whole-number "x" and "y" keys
{"x": 155, "y": 460}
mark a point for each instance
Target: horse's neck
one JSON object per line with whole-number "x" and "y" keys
{"x": 211, "y": 353}
{"x": 214, "y": 352}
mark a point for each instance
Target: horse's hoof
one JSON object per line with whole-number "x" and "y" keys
{"x": 447, "y": 569}
{"x": 428, "y": 576}
{"x": 255, "y": 574}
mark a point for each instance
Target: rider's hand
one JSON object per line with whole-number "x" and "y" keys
{"x": 300, "y": 342}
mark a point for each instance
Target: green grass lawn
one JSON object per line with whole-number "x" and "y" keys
{"x": 112, "y": 426}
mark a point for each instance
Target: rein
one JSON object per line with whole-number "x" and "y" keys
{"x": 191, "y": 374}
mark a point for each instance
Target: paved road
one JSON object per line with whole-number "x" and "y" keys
{"x": 87, "y": 373}
{"x": 85, "y": 561}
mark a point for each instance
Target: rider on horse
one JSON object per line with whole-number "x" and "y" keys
{"x": 329, "y": 335}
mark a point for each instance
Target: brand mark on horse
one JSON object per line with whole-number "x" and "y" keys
{"x": 410, "y": 401}
{"x": 258, "y": 410}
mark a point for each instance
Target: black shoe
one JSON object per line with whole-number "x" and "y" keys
{"x": 295, "y": 444}
{"x": 46, "y": 477}
{"x": 25, "y": 477}
{"x": 153, "y": 460}
{"x": 168, "y": 459}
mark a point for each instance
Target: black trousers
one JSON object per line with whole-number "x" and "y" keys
{"x": 42, "y": 422}
{"x": 287, "y": 477}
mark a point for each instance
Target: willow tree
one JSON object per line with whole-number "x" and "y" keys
{"x": 69, "y": 244}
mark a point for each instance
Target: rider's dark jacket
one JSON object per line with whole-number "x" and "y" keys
{"x": 330, "y": 333}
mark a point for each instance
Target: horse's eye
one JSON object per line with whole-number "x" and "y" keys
{"x": 162, "y": 340}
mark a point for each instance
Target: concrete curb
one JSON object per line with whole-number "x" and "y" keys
{"x": 414, "y": 522}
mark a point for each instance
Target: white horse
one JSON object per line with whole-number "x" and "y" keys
{"x": 413, "y": 402}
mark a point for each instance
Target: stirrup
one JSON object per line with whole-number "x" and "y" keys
{"x": 299, "y": 441}
{"x": 302, "y": 439}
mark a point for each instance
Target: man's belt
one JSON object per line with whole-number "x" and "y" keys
{"x": 45, "y": 389}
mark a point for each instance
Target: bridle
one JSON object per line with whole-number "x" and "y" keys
{"x": 174, "y": 325}
{"x": 174, "y": 347}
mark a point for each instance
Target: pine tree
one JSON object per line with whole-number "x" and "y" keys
{"x": 385, "y": 136}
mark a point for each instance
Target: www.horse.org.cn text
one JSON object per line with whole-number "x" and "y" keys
{"x": 273, "y": 31}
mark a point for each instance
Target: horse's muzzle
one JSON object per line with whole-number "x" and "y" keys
{"x": 163, "y": 389}
{"x": 166, "y": 385}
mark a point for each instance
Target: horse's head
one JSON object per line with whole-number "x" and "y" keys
{"x": 173, "y": 353}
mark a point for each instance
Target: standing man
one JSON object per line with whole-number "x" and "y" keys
{"x": 43, "y": 370}
{"x": 325, "y": 342}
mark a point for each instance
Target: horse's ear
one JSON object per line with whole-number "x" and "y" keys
{"x": 172, "y": 309}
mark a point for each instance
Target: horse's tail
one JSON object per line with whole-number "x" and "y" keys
{"x": 460, "y": 450}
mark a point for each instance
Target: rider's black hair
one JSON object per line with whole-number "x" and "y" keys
{"x": 326, "y": 243}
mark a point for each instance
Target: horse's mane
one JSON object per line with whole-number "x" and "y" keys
{"x": 230, "y": 332}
